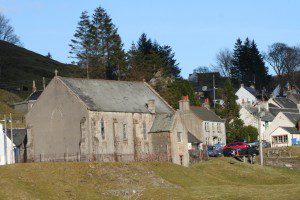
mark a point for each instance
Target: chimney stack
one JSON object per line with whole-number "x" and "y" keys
{"x": 151, "y": 106}
{"x": 33, "y": 86}
{"x": 184, "y": 104}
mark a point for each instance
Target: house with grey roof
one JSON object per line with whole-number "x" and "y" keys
{"x": 202, "y": 123}
{"x": 246, "y": 95}
{"x": 284, "y": 130}
{"x": 104, "y": 120}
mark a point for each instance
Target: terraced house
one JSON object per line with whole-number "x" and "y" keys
{"x": 103, "y": 120}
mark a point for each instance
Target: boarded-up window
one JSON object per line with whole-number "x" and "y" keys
{"x": 145, "y": 131}
{"x": 179, "y": 136}
{"x": 124, "y": 131}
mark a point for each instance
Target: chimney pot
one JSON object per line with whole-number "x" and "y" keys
{"x": 151, "y": 106}
{"x": 184, "y": 104}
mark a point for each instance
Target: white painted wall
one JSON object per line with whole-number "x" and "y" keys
{"x": 250, "y": 120}
{"x": 8, "y": 157}
{"x": 281, "y": 131}
{"x": 212, "y": 131}
{"x": 280, "y": 121}
{"x": 243, "y": 94}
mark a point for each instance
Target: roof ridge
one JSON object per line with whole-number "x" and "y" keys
{"x": 99, "y": 79}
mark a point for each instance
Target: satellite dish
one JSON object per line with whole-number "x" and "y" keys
{"x": 204, "y": 88}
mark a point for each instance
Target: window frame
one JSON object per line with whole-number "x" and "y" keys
{"x": 124, "y": 131}
{"x": 280, "y": 139}
{"x": 179, "y": 136}
{"x": 206, "y": 126}
{"x": 145, "y": 135}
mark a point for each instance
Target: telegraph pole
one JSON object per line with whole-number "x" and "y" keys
{"x": 214, "y": 90}
{"x": 11, "y": 137}
{"x": 5, "y": 142}
{"x": 260, "y": 114}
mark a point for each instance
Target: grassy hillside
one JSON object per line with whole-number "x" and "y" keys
{"x": 216, "y": 179}
{"x": 19, "y": 66}
{"x": 6, "y": 99}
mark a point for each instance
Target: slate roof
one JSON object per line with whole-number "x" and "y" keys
{"x": 291, "y": 130}
{"x": 275, "y": 111}
{"x": 192, "y": 139}
{"x": 34, "y": 96}
{"x": 293, "y": 117}
{"x": 251, "y": 90}
{"x": 116, "y": 96}
{"x": 206, "y": 114}
{"x": 285, "y": 102}
{"x": 294, "y": 97}
{"x": 19, "y": 135}
{"x": 162, "y": 123}
{"x": 268, "y": 117}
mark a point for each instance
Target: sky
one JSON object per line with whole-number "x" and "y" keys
{"x": 195, "y": 29}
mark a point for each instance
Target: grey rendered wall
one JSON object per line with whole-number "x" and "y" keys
{"x": 192, "y": 123}
{"x": 54, "y": 122}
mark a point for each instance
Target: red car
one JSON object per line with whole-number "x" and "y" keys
{"x": 236, "y": 145}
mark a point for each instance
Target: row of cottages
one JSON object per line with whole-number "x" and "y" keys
{"x": 276, "y": 109}
{"x": 103, "y": 120}
{"x": 202, "y": 124}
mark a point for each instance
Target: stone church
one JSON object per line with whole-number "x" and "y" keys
{"x": 104, "y": 120}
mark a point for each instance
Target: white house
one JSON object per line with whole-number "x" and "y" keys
{"x": 6, "y": 149}
{"x": 286, "y": 121}
{"x": 285, "y": 136}
{"x": 246, "y": 95}
{"x": 249, "y": 116}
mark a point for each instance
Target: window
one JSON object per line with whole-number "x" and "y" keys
{"x": 206, "y": 126}
{"x": 124, "y": 131}
{"x": 145, "y": 131}
{"x": 285, "y": 138}
{"x": 219, "y": 127}
{"x": 213, "y": 127}
{"x": 179, "y": 136}
{"x": 280, "y": 139}
{"x": 207, "y": 140}
{"x": 102, "y": 130}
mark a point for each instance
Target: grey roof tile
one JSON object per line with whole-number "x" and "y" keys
{"x": 293, "y": 117}
{"x": 206, "y": 114}
{"x": 116, "y": 96}
{"x": 162, "y": 123}
{"x": 285, "y": 102}
{"x": 291, "y": 130}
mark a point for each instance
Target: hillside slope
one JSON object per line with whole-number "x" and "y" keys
{"x": 19, "y": 66}
{"x": 216, "y": 179}
{"x": 6, "y": 99}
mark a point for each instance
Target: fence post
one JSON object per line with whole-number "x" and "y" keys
{"x": 40, "y": 157}
{"x": 64, "y": 157}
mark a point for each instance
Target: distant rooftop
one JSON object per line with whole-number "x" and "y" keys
{"x": 285, "y": 102}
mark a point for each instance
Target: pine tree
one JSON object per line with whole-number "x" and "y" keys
{"x": 81, "y": 44}
{"x": 248, "y": 65}
{"x": 146, "y": 58}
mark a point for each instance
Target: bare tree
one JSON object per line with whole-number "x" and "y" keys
{"x": 284, "y": 60}
{"x": 202, "y": 69}
{"x": 224, "y": 62}
{"x": 7, "y": 32}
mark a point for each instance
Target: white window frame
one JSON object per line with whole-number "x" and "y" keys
{"x": 206, "y": 126}
{"x": 219, "y": 127}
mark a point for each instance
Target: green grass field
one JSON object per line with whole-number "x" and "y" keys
{"x": 220, "y": 178}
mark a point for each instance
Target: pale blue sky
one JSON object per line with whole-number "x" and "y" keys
{"x": 195, "y": 29}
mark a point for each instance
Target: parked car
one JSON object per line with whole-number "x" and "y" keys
{"x": 236, "y": 145}
{"x": 215, "y": 150}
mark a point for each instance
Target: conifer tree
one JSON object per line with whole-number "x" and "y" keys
{"x": 81, "y": 44}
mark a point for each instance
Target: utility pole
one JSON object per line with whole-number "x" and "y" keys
{"x": 5, "y": 141}
{"x": 214, "y": 90}
{"x": 11, "y": 137}
{"x": 261, "y": 155}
